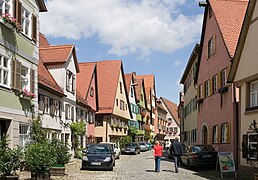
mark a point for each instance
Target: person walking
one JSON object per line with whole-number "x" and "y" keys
{"x": 177, "y": 150}
{"x": 157, "y": 152}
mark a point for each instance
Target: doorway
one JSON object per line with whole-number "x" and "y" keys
{"x": 204, "y": 135}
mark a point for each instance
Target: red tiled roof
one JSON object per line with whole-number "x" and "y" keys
{"x": 46, "y": 79}
{"x": 128, "y": 79}
{"x": 55, "y": 54}
{"x": 83, "y": 78}
{"x": 43, "y": 42}
{"x": 80, "y": 98}
{"x": 229, "y": 15}
{"x": 149, "y": 84}
{"x": 107, "y": 81}
{"x": 138, "y": 88}
{"x": 160, "y": 105}
{"x": 172, "y": 108}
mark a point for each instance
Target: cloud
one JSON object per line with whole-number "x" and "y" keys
{"x": 178, "y": 62}
{"x": 128, "y": 26}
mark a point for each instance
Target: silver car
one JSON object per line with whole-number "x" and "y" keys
{"x": 116, "y": 149}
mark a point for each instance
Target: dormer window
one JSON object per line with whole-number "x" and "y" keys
{"x": 70, "y": 81}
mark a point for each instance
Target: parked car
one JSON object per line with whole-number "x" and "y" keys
{"x": 149, "y": 145}
{"x": 131, "y": 148}
{"x": 99, "y": 156}
{"x": 115, "y": 148}
{"x": 143, "y": 146}
{"x": 199, "y": 155}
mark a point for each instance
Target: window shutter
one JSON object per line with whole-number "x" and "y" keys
{"x": 227, "y": 72}
{"x": 66, "y": 111}
{"x": 78, "y": 114}
{"x": 73, "y": 84}
{"x": 219, "y": 134}
{"x": 15, "y": 8}
{"x": 211, "y": 86}
{"x": 219, "y": 80}
{"x": 244, "y": 146}
{"x": 67, "y": 80}
{"x": 34, "y": 28}
{"x": 198, "y": 92}
{"x": 60, "y": 110}
{"x": 13, "y": 84}
{"x": 32, "y": 81}
{"x": 214, "y": 44}
{"x": 228, "y": 132}
{"x": 211, "y": 135}
{"x": 18, "y": 11}
{"x": 72, "y": 113}
{"x": 203, "y": 90}
{"x": 207, "y": 51}
{"x": 51, "y": 106}
{"x": 18, "y": 75}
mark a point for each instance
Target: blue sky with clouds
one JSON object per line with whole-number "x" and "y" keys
{"x": 150, "y": 36}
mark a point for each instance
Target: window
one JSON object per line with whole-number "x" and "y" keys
{"x": 122, "y": 105}
{"x": 5, "y": 6}
{"x": 24, "y": 78}
{"x": 141, "y": 97}
{"x": 70, "y": 81}
{"x": 215, "y": 134}
{"x": 223, "y": 78}
{"x": 132, "y": 92}
{"x": 252, "y": 145}
{"x": 46, "y": 105}
{"x": 99, "y": 121}
{"x": 25, "y": 23}
{"x": 254, "y": 94}
{"x": 68, "y": 111}
{"x": 225, "y": 133}
{"x": 90, "y": 117}
{"x": 175, "y": 129}
{"x": 56, "y": 108}
{"x": 116, "y": 102}
{"x": 211, "y": 47}
{"x": 207, "y": 88}
{"x": 91, "y": 91}
{"x": 24, "y": 135}
{"x": 215, "y": 83}
{"x": 120, "y": 86}
{"x": 200, "y": 91}
{"x": 4, "y": 71}
{"x": 132, "y": 107}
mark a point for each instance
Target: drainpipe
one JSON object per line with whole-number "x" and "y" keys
{"x": 237, "y": 125}
{"x": 106, "y": 129}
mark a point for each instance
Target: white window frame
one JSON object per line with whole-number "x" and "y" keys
{"x": 26, "y": 21}
{"x": 253, "y": 93}
{"x": 215, "y": 134}
{"x": 5, "y": 69}
{"x": 207, "y": 88}
{"x": 6, "y": 3}
{"x": 57, "y": 107}
{"x": 46, "y": 105}
{"x": 224, "y": 134}
{"x": 91, "y": 91}
{"x": 223, "y": 77}
{"x": 200, "y": 91}
{"x": 24, "y": 134}
{"x": 252, "y": 144}
{"x": 25, "y": 84}
{"x": 211, "y": 47}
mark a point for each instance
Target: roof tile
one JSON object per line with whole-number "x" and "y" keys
{"x": 172, "y": 108}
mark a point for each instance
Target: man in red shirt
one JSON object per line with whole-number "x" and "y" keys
{"x": 157, "y": 152}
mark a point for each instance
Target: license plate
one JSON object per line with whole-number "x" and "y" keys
{"x": 206, "y": 156}
{"x": 96, "y": 163}
{"x": 127, "y": 151}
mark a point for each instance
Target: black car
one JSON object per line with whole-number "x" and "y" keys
{"x": 130, "y": 148}
{"x": 99, "y": 156}
{"x": 199, "y": 155}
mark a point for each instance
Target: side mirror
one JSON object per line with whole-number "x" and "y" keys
{"x": 113, "y": 152}
{"x": 84, "y": 151}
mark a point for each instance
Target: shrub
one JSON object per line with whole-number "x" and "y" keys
{"x": 61, "y": 152}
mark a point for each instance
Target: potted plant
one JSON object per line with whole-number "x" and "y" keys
{"x": 9, "y": 159}
{"x": 62, "y": 157}
{"x": 39, "y": 157}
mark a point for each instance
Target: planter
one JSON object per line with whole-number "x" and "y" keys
{"x": 58, "y": 170}
{"x": 7, "y": 24}
{"x": 13, "y": 177}
{"x": 35, "y": 176}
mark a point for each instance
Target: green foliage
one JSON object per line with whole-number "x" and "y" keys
{"x": 38, "y": 134}
{"x": 125, "y": 140}
{"x": 39, "y": 156}
{"x": 78, "y": 128}
{"x": 61, "y": 152}
{"x": 9, "y": 158}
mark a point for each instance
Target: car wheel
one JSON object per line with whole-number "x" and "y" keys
{"x": 114, "y": 164}
{"x": 111, "y": 168}
{"x": 188, "y": 164}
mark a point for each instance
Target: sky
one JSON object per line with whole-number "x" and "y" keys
{"x": 149, "y": 36}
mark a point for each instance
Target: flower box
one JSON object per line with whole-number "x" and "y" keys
{"x": 10, "y": 22}
{"x": 10, "y": 26}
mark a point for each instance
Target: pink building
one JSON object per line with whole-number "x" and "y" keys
{"x": 217, "y": 117}
{"x": 87, "y": 96}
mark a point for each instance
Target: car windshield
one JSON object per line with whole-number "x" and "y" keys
{"x": 203, "y": 148}
{"x": 142, "y": 143}
{"x": 100, "y": 149}
{"x": 130, "y": 145}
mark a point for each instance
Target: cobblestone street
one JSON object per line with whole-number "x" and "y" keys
{"x": 133, "y": 167}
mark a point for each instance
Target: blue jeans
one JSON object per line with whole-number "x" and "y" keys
{"x": 177, "y": 162}
{"x": 157, "y": 163}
